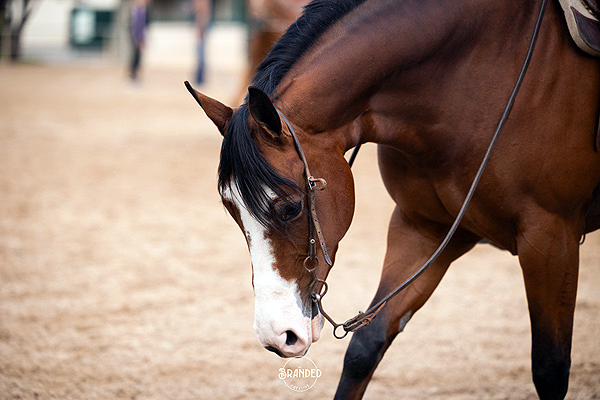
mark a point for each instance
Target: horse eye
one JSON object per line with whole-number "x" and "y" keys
{"x": 290, "y": 211}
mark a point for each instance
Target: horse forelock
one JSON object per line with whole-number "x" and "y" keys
{"x": 242, "y": 164}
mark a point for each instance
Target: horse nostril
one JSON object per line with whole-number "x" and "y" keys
{"x": 290, "y": 338}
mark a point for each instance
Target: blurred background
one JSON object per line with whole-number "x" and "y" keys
{"x": 99, "y": 33}
{"x": 122, "y": 276}
{"x": 64, "y": 31}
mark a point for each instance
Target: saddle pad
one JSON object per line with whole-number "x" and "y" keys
{"x": 583, "y": 26}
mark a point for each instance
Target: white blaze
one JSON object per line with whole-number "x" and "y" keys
{"x": 277, "y": 303}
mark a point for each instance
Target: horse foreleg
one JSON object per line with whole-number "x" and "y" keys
{"x": 549, "y": 257}
{"x": 407, "y": 249}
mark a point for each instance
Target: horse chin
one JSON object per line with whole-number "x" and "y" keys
{"x": 316, "y": 326}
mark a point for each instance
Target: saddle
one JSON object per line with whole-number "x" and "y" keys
{"x": 583, "y": 20}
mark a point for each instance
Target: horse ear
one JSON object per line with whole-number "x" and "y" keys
{"x": 263, "y": 112}
{"x": 217, "y": 112}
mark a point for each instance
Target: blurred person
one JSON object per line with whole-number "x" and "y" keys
{"x": 139, "y": 25}
{"x": 202, "y": 13}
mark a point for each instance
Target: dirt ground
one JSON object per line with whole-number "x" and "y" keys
{"x": 122, "y": 277}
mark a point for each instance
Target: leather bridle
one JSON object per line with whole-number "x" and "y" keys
{"x": 311, "y": 262}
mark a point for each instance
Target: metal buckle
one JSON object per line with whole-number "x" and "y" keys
{"x": 316, "y": 183}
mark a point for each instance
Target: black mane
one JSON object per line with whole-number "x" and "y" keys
{"x": 317, "y": 18}
{"x": 242, "y": 163}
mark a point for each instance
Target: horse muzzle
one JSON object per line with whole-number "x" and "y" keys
{"x": 289, "y": 337}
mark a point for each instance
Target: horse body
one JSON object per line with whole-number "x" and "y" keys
{"x": 429, "y": 86}
{"x": 424, "y": 108}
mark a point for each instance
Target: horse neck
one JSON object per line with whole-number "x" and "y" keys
{"x": 356, "y": 71}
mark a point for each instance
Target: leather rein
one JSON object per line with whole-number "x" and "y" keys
{"x": 311, "y": 262}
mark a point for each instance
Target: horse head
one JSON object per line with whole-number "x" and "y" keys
{"x": 263, "y": 185}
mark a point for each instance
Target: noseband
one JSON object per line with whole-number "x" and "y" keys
{"x": 311, "y": 262}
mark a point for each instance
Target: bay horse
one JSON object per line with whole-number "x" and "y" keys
{"x": 427, "y": 81}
